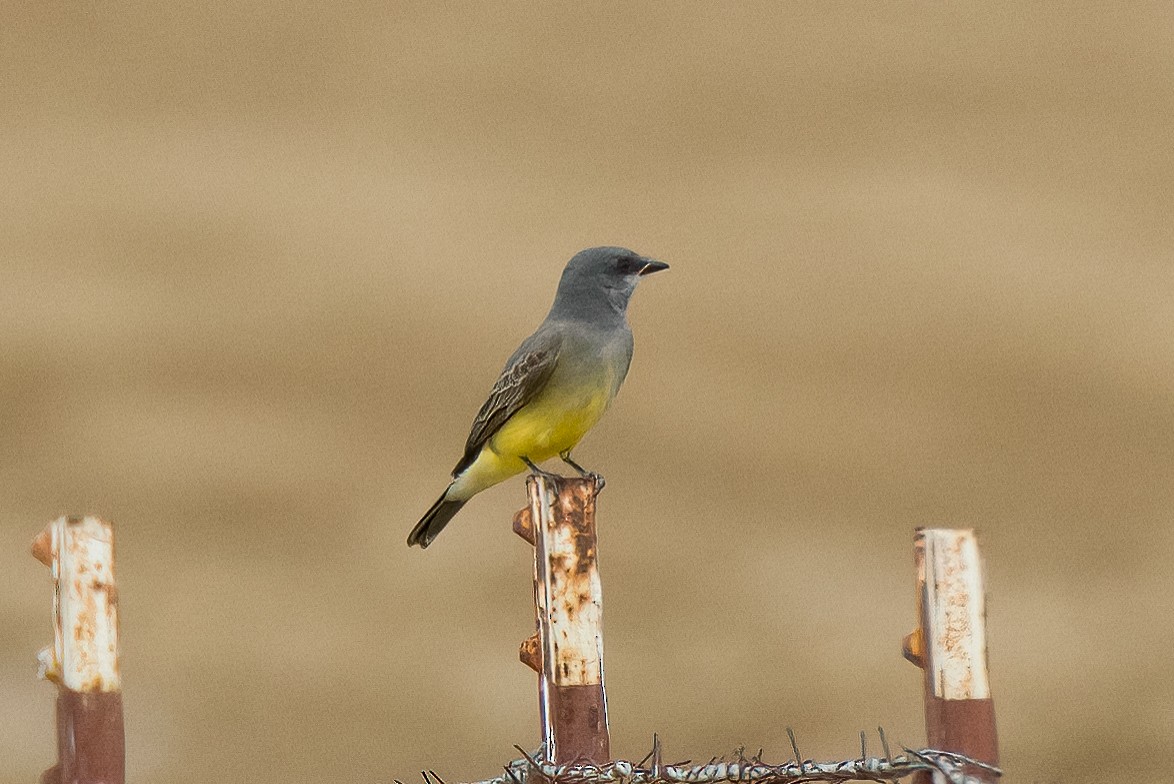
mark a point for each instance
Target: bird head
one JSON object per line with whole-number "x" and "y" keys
{"x": 602, "y": 279}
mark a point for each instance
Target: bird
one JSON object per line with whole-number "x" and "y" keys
{"x": 555, "y": 386}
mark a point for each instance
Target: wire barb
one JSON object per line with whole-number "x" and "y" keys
{"x": 885, "y": 744}
{"x": 795, "y": 746}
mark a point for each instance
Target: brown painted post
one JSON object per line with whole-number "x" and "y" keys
{"x": 567, "y": 651}
{"x": 950, "y": 646}
{"x": 83, "y": 661}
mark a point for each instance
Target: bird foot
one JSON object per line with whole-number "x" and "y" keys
{"x": 597, "y": 479}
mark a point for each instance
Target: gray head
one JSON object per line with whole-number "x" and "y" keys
{"x": 598, "y": 282}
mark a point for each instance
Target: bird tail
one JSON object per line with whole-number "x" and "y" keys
{"x": 434, "y": 520}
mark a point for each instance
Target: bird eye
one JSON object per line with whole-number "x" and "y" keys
{"x": 629, "y": 265}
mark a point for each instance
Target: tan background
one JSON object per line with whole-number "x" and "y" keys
{"x": 261, "y": 262}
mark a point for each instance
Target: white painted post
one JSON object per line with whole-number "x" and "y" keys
{"x": 950, "y": 645}
{"x": 83, "y": 661}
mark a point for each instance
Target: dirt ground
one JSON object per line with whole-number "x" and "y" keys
{"x": 260, "y": 263}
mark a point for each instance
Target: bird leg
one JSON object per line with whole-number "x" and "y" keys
{"x": 547, "y": 475}
{"x": 566, "y": 458}
{"x": 583, "y": 472}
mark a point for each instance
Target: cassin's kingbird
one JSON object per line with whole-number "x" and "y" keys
{"x": 557, "y": 384}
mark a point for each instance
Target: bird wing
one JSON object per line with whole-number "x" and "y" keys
{"x": 523, "y": 378}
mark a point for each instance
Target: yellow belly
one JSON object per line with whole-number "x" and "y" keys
{"x": 547, "y": 427}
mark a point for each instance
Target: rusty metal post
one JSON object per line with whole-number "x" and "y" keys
{"x": 567, "y": 650}
{"x": 83, "y": 661}
{"x": 950, "y": 646}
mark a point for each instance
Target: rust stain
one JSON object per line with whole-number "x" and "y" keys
{"x": 43, "y": 546}
{"x": 111, "y": 591}
{"x": 584, "y": 551}
{"x": 530, "y": 652}
{"x": 524, "y": 524}
{"x": 913, "y": 647}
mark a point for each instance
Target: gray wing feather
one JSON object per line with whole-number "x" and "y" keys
{"x": 523, "y": 378}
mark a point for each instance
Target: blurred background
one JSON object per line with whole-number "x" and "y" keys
{"x": 260, "y": 263}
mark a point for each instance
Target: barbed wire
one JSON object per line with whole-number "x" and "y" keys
{"x": 953, "y": 768}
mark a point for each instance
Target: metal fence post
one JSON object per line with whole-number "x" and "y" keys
{"x": 950, "y": 646}
{"x": 567, "y": 650}
{"x": 83, "y": 661}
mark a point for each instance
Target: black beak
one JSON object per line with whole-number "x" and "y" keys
{"x": 651, "y": 266}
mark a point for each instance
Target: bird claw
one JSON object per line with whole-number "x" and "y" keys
{"x": 597, "y": 479}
